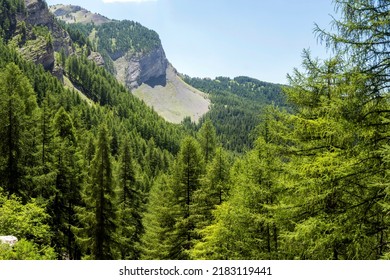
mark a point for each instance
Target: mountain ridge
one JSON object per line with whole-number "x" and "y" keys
{"x": 141, "y": 67}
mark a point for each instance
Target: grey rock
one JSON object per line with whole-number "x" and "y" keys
{"x": 135, "y": 69}
{"x": 97, "y": 58}
{"x": 39, "y": 14}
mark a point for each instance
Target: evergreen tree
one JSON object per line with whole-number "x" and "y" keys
{"x": 339, "y": 135}
{"x": 244, "y": 227}
{"x": 99, "y": 215}
{"x": 158, "y": 241}
{"x": 213, "y": 190}
{"x": 44, "y": 178}
{"x": 67, "y": 185}
{"x": 130, "y": 205}
{"x": 17, "y": 106}
{"x": 187, "y": 173}
{"x": 207, "y": 139}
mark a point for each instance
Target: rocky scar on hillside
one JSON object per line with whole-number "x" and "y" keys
{"x": 135, "y": 69}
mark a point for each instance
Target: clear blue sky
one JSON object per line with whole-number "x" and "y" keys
{"x": 262, "y": 39}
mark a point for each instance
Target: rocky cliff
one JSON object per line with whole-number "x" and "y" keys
{"x": 134, "y": 54}
{"x": 38, "y": 36}
{"x": 38, "y": 14}
{"x": 131, "y": 67}
{"x": 135, "y": 69}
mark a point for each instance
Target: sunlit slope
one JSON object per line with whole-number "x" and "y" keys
{"x": 175, "y": 100}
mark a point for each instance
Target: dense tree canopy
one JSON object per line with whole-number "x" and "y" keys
{"x": 88, "y": 171}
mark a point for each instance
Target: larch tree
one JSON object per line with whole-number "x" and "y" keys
{"x": 158, "y": 241}
{"x": 17, "y": 108}
{"x": 99, "y": 216}
{"x": 208, "y": 140}
{"x": 130, "y": 204}
{"x": 67, "y": 184}
{"x": 340, "y": 132}
{"x": 188, "y": 170}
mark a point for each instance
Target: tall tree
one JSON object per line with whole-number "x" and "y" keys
{"x": 67, "y": 184}
{"x": 187, "y": 173}
{"x": 99, "y": 215}
{"x": 340, "y": 133}
{"x": 17, "y": 106}
{"x": 158, "y": 241}
{"x": 130, "y": 204}
{"x": 208, "y": 140}
{"x": 213, "y": 189}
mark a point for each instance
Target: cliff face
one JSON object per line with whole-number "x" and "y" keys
{"x": 38, "y": 14}
{"x": 132, "y": 68}
{"x": 136, "y": 69}
{"x": 39, "y": 51}
{"x": 38, "y": 46}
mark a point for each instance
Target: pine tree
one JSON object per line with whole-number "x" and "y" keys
{"x": 158, "y": 241}
{"x": 17, "y": 106}
{"x": 99, "y": 215}
{"x": 130, "y": 203}
{"x": 187, "y": 173}
{"x": 67, "y": 185}
{"x": 207, "y": 139}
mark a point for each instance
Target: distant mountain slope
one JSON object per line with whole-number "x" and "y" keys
{"x": 134, "y": 54}
{"x": 175, "y": 100}
{"x": 237, "y": 106}
{"x": 76, "y": 14}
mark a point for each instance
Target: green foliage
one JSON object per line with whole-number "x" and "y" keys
{"x": 236, "y": 107}
{"x": 130, "y": 198}
{"x": 118, "y": 37}
{"x": 17, "y": 113}
{"x": 76, "y": 173}
{"x": 99, "y": 216}
{"x": 27, "y": 221}
{"x": 103, "y": 88}
{"x": 26, "y": 250}
{"x": 158, "y": 241}
{"x": 8, "y": 11}
{"x": 188, "y": 170}
{"x": 207, "y": 140}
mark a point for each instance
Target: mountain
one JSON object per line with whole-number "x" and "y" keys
{"x": 238, "y": 106}
{"x": 77, "y": 14}
{"x": 134, "y": 54}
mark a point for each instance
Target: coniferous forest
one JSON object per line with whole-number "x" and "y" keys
{"x": 270, "y": 172}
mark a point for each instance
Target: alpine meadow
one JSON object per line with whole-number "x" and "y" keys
{"x": 108, "y": 152}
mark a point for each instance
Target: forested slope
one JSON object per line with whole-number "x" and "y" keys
{"x": 109, "y": 179}
{"x": 237, "y": 106}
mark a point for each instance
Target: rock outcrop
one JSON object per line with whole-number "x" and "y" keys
{"x": 97, "y": 58}
{"x": 131, "y": 68}
{"x": 38, "y": 14}
{"x": 10, "y": 240}
{"x": 77, "y": 14}
{"x": 39, "y": 51}
{"x": 135, "y": 69}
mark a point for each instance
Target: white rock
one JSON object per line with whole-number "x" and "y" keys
{"x": 11, "y": 240}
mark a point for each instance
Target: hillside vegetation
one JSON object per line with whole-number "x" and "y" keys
{"x": 109, "y": 178}
{"x": 237, "y": 107}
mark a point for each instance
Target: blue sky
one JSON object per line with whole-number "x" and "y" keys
{"x": 262, "y": 39}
